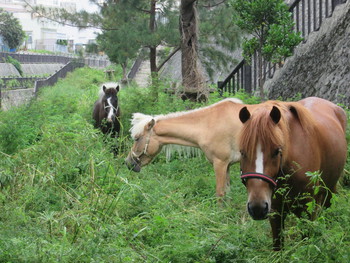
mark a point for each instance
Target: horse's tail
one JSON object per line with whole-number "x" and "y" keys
{"x": 341, "y": 115}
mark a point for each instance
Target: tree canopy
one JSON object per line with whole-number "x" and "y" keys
{"x": 130, "y": 25}
{"x": 270, "y": 28}
{"x": 11, "y": 30}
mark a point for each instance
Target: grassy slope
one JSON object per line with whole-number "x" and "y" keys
{"x": 66, "y": 198}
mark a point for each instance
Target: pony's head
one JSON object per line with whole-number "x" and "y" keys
{"x": 110, "y": 102}
{"x": 262, "y": 141}
{"x": 145, "y": 147}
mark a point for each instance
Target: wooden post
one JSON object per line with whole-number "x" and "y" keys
{"x": 220, "y": 89}
{"x": 247, "y": 78}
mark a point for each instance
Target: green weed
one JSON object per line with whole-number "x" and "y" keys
{"x": 65, "y": 197}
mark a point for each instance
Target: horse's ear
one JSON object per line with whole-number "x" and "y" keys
{"x": 117, "y": 88}
{"x": 275, "y": 114}
{"x": 151, "y": 124}
{"x": 104, "y": 88}
{"x": 244, "y": 114}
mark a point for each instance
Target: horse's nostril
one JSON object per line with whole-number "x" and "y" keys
{"x": 266, "y": 210}
{"x": 250, "y": 210}
{"x": 258, "y": 211}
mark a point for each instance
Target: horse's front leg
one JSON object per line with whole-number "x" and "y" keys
{"x": 222, "y": 178}
{"x": 277, "y": 226}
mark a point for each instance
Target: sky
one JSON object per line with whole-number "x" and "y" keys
{"x": 86, "y": 5}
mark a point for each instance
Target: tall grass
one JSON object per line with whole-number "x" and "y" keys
{"x": 66, "y": 198}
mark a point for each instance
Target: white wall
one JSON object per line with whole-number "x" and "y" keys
{"x": 44, "y": 32}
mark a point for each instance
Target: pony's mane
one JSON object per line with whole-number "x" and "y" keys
{"x": 108, "y": 85}
{"x": 261, "y": 128}
{"x": 182, "y": 151}
{"x": 139, "y": 120}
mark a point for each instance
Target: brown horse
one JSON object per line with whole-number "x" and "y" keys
{"x": 106, "y": 111}
{"x": 279, "y": 143}
{"x": 212, "y": 129}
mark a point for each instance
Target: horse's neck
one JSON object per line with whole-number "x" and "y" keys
{"x": 182, "y": 130}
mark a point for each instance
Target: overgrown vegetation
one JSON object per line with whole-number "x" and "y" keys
{"x": 15, "y": 63}
{"x": 66, "y": 198}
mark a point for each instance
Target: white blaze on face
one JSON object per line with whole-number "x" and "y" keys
{"x": 259, "y": 162}
{"x": 110, "y": 112}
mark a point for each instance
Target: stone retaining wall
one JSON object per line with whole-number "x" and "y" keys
{"x": 321, "y": 66}
{"x": 15, "y": 98}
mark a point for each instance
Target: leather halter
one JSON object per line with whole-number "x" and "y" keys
{"x": 136, "y": 157}
{"x": 111, "y": 106}
{"x": 263, "y": 177}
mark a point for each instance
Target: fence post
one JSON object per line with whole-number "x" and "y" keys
{"x": 220, "y": 89}
{"x": 247, "y": 77}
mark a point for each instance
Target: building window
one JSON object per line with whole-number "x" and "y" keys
{"x": 29, "y": 37}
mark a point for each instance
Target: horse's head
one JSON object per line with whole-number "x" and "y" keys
{"x": 110, "y": 102}
{"x": 262, "y": 141}
{"x": 145, "y": 147}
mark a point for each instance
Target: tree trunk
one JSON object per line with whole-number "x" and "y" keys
{"x": 124, "y": 68}
{"x": 260, "y": 75}
{"x": 192, "y": 75}
{"x": 153, "y": 49}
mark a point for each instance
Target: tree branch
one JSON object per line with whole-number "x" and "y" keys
{"x": 214, "y": 5}
{"x": 168, "y": 58}
{"x": 63, "y": 21}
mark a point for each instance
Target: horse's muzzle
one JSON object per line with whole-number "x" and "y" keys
{"x": 258, "y": 211}
{"x": 132, "y": 164}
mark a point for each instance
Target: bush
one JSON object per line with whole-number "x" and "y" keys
{"x": 15, "y": 63}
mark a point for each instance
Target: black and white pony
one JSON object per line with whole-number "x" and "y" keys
{"x": 106, "y": 111}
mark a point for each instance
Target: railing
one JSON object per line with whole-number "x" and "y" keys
{"x": 308, "y": 16}
{"x": 35, "y": 58}
{"x": 70, "y": 66}
{"x": 135, "y": 67}
{"x": 17, "y": 82}
{"x": 38, "y": 83}
{"x": 94, "y": 62}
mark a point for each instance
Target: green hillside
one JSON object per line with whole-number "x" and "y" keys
{"x": 66, "y": 198}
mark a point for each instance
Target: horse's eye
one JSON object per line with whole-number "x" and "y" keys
{"x": 277, "y": 152}
{"x": 243, "y": 154}
{"x": 136, "y": 139}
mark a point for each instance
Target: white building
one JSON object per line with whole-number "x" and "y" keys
{"x": 45, "y": 34}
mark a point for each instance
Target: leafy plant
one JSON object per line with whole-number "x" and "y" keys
{"x": 15, "y": 63}
{"x": 270, "y": 28}
{"x": 10, "y": 29}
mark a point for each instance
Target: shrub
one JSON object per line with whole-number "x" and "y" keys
{"x": 15, "y": 63}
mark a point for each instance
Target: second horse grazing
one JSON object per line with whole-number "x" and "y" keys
{"x": 212, "y": 129}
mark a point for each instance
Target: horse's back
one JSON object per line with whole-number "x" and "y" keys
{"x": 324, "y": 110}
{"x": 330, "y": 126}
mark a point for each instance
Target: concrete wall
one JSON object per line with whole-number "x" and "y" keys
{"x": 15, "y": 98}
{"x": 321, "y": 66}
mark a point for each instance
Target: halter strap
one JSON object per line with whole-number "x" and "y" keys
{"x": 111, "y": 106}
{"x": 264, "y": 177}
{"x": 144, "y": 152}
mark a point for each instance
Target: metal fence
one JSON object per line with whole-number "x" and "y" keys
{"x": 69, "y": 67}
{"x": 20, "y": 83}
{"x": 308, "y": 16}
{"x": 94, "y": 62}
